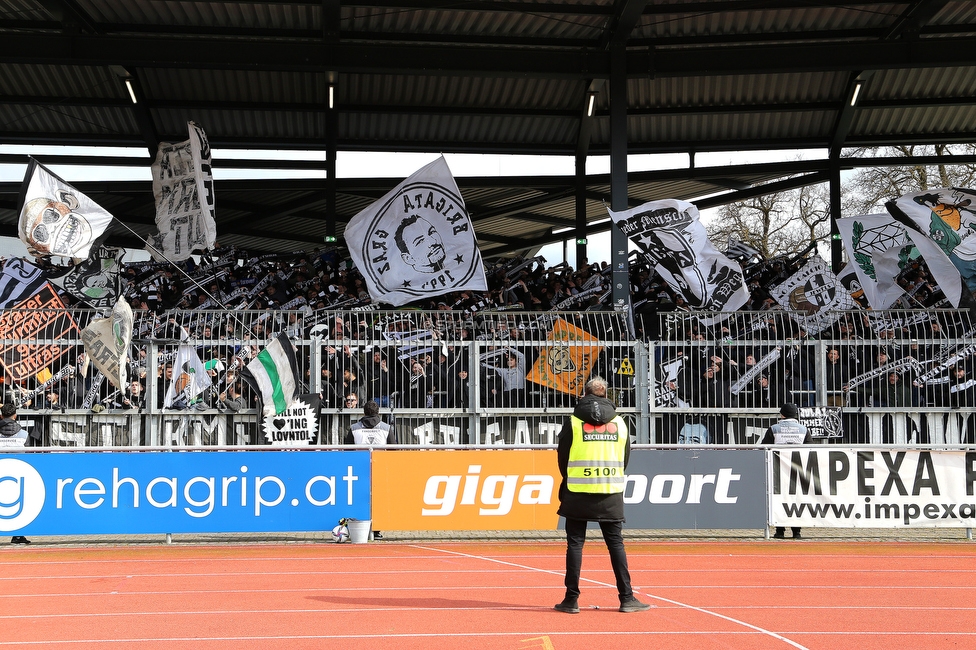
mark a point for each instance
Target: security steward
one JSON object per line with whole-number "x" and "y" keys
{"x": 788, "y": 431}
{"x": 370, "y": 430}
{"x": 593, "y": 450}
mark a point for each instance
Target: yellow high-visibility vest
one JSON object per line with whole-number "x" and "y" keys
{"x": 596, "y": 459}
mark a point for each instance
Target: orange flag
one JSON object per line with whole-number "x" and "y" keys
{"x": 567, "y": 361}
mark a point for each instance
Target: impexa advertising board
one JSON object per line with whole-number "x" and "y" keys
{"x": 181, "y": 492}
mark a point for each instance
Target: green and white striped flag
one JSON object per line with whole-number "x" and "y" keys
{"x": 274, "y": 372}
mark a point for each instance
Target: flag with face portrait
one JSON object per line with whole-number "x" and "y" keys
{"x": 56, "y": 220}
{"x": 674, "y": 240}
{"x": 184, "y": 190}
{"x": 417, "y": 241}
{"x": 813, "y": 296}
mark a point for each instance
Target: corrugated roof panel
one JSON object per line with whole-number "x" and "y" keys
{"x": 921, "y": 83}
{"x": 74, "y": 81}
{"x": 935, "y": 120}
{"x": 204, "y": 14}
{"x": 747, "y": 90}
{"x": 518, "y": 23}
{"x": 746, "y": 18}
{"x": 513, "y": 132}
{"x": 482, "y": 93}
{"x": 24, "y": 10}
{"x": 46, "y": 119}
{"x": 954, "y": 13}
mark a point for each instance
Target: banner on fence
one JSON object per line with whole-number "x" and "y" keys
{"x": 40, "y": 317}
{"x": 822, "y": 421}
{"x": 297, "y": 426}
{"x": 848, "y": 488}
{"x": 567, "y": 360}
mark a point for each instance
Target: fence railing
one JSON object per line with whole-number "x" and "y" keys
{"x": 452, "y": 379}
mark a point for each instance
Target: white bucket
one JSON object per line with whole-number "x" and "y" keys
{"x": 359, "y": 530}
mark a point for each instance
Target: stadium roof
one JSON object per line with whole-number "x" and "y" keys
{"x": 474, "y": 76}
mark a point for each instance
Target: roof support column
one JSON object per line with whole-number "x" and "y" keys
{"x": 620, "y": 276}
{"x": 331, "y": 138}
{"x": 580, "y": 188}
{"x": 835, "y": 211}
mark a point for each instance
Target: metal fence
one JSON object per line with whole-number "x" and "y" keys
{"x": 497, "y": 378}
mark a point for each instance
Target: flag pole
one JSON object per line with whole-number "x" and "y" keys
{"x": 199, "y": 286}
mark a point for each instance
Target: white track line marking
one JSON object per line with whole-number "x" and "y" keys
{"x": 578, "y": 633}
{"x": 735, "y": 621}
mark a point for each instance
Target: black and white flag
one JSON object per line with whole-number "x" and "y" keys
{"x": 881, "y": 248}
{"x": 56, "y": 220}
{"x": 671, "y": 235}
{"x": 184, "y": 190}
{"x": 19, "y": 280}
{"x": 96, "y": 280}
{"x": 813, "y": 296}
{"x": 417, "y": 241}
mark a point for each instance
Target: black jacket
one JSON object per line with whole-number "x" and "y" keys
{"x": 9, "y": 427}
{"x": 584, "y": 505}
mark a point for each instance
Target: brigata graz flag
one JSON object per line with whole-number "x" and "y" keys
{"x": 813, "y": 296}
{"x": 184, "y": 190}
{"x": 673, "y": 237}
{"x": 56, "y": 220}
{"x": 417, "y": 241}
{"x": 947, "y": 216}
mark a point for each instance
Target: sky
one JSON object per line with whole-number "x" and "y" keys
{"x": 392, "y": 165}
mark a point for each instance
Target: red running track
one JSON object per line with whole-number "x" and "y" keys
{"x": 754, "y": 595}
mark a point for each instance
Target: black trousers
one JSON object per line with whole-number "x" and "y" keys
{"x": 613, "y": 536}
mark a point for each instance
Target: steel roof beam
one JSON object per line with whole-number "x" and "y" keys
{"x": 174, "y": 52}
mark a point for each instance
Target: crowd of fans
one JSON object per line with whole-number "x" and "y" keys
{"x": 230, "y": 303}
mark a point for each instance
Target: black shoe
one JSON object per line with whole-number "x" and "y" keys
{"x": 377, "y": 534}
{"x": 633, "y": 605}
{"x": 779, "y": 535}
{"x": 19, "y": 539}
{"x": 797, "y": 535}
{"x": 568, "y": 606}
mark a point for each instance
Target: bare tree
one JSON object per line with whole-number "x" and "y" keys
{"x": 774, "y": 224}
{"x": 786, "y": 222}
{"x": 869, "y": 188}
